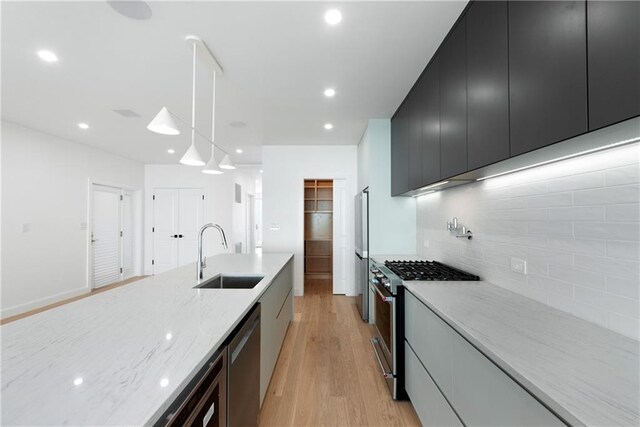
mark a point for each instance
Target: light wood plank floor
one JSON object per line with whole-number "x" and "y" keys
{"x": 327, "y": 373}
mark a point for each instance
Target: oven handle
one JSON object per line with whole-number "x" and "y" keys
{"x": 384, "y": 297}
{"x": 385, "y": 373}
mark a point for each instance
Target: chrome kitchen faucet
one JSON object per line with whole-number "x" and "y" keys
{"x": 202, "y": 261}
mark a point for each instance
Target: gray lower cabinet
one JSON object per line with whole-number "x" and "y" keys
{"x": 450, "y": 382}
{"x": 430, "y": 405}
{"x": 277, "y": 312}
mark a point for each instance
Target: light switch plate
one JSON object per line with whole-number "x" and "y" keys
{"x": 274, "y": 227}
{"x": 519, "y": 265}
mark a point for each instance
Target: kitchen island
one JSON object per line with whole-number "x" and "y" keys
{"x": 121, "y": 357}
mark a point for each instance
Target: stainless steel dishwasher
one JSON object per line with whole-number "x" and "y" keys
{"x": 243, "y": 375}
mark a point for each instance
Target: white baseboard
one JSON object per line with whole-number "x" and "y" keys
{"x": 21, "y": 308}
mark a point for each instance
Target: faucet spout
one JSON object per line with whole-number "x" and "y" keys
{"x": 202, "y": 262}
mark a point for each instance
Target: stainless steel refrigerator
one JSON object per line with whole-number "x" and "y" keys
{"x": 362, "y": 253}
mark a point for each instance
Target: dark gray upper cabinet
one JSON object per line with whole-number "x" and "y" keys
{"x": 414, "y": 104}
{"x": 547, "y": 73}
{"x": 453, "y": 102}
{"x": 400, "y": 152}
{"x": 613, "y": 42}
{"x": 487, "y": 83}
{"x": 429, "y": 91}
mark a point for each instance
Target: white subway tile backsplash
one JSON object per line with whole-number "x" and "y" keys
{"x": 587, "y": 279}
{"x": 583, "y": 246}
{"x": 624, "y": 175}
{"x": 608, "y": 302}
{"x": 576, "y": 182}
{"x": 623, "y": 250}
{"x": 625, "y": 325}
{"x": 624, "y": 287}
{"x": 607, "y": 195}
{"x": 582, "y": 213}
{"x": 609, "y": 266}
{"x": 576, "y": 223}
{"x": 601, "y": 230}
{"x": 548, "y": 228}
{"x": 623, "y": 213}
{"x": 550, "y": 200}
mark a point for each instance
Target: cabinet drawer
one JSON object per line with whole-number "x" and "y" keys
{"x": 432, "y": 340}
{"x": 430, "y": 405}
{"x": 484, "y": 395}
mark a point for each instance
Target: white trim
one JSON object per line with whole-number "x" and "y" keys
{"x": 21, "y": 308}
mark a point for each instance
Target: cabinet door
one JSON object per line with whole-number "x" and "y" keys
{"x": 613, "y": 34}
{"x": 453, "y": 103}
{"x": 415, "y": 104}
{"x": 431, "y": 339}
{"x": 430, "y": 405}
{"x": 487, "y": 83}
{"x": 399, "y": 152}
{"x": 547, "y": 73}
{"x": 483, "y": 395}
{"x": 430, "y": 96}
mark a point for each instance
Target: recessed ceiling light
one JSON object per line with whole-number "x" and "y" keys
{"x": 328, "y": 126}
{"x": 171, "y": 151}
{"x": 83, "y": 126}
{"x": 47, "y": 56}
{"x": 329, "y": 92}
{"x": 261, "y": 170}
{"x": 164, "y": 382}
{"x": 78, "y": 381}
{"x": 239, "y": 151}
{"x": 333, "y": 17}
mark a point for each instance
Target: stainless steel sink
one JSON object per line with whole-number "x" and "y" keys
{"x": 230, "y": 282}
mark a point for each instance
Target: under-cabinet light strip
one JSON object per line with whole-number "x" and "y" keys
{"x": 569, "y": 156}
{"x": 422, "y": 194}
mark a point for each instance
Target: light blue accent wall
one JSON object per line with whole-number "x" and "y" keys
{"x": 392, "y": 220}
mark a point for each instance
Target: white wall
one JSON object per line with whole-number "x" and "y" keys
{"x": 45, "y": 184}
{"x": 575, "y": 222}
{"x": 285, "y": 169}
{"x": 392, "y": 220}
{"x": 220, "y": 207}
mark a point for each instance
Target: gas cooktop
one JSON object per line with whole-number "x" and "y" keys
{"x": 427, "y": 270}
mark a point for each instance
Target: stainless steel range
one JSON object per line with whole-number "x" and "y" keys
{"x": 386, "y": 282}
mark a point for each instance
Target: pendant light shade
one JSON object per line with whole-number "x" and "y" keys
{"x": 163, "y": 123}
{"x": 212, "y": 166}
{"x": 226, "y": 163}
{"x": 192, "y": 157}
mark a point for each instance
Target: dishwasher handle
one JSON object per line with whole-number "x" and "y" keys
{"x": 235, "y": 351}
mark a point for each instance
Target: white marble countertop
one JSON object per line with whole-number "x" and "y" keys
{"x": 120, "y": 357}
{"x": 585, "y": 373}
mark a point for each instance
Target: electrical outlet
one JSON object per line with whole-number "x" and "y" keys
{"x": 26, "y": 227}
{"x": 519, "y": 265}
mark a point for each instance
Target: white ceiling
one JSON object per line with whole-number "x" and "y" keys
{"x": 278, "y": 58}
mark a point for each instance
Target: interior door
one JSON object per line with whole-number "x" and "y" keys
{"x": 165, "y": 228}
{"x": 190, "y": 220}
{"x": 105, "y": 235}
{"x": 340, "y": 269}
{"x": 127, "y": 235}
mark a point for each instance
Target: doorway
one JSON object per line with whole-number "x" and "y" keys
{"x": 178, "y": 215}
{"x": 112, "y": 235}
{"x": 318, "y": 235}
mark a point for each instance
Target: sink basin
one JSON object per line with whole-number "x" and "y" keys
{"x": 230, "y": 282}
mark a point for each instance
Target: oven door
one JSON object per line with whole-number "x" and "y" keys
{"x": 384, "y": 341}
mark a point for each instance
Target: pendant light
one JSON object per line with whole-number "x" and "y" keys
{"x": 192, "y": 157}
{"x": 212, "y": 166}
{"x": 226, "y": 163}
{"x": 163, "y": 123}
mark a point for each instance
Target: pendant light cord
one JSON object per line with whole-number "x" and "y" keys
{"x": 213, "y": 115}
{"x": 193, "y": 99}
